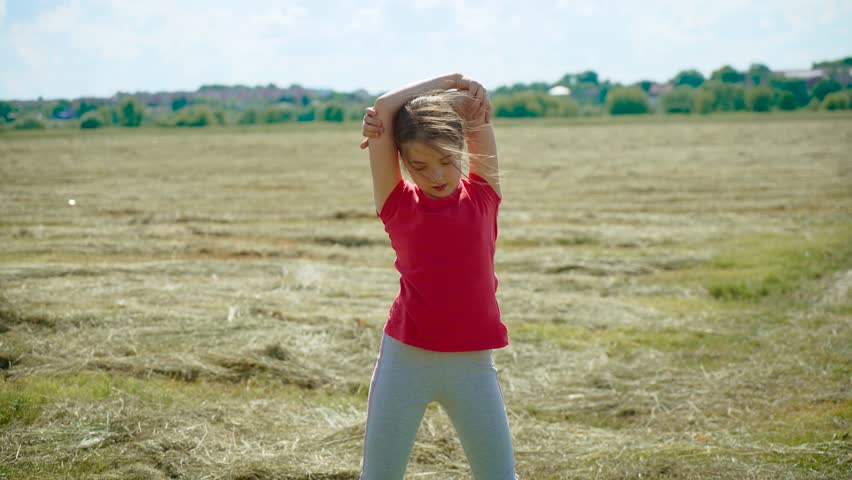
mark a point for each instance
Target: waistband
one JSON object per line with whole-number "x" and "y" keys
{"x": 391, "y": 344}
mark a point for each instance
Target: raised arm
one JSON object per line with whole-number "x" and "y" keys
{"x": 479, "y": 134}
{"x": 384, "y": 156}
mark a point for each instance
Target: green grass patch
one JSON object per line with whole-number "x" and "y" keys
{"x": 43, "y": 388}
{"x": 18, "y": 407}
{"x": 691, "y": 347}
{"x": 802, "y": 422}
{"x": 761, "y": 265}
{"x": 678, "y": 306}
{"x": 22, "y": 398}
{"x": 564, "y": 335}
{"x": 78, "y": 468}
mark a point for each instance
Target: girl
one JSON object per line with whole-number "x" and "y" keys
{"x": 442, "y": 326}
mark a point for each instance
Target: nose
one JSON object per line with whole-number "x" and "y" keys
{"x": 437, "y": 176}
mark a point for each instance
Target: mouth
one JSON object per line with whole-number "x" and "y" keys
{"x": 440, "y": 188}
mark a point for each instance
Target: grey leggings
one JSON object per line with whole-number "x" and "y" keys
{"x": 406, "y": 379}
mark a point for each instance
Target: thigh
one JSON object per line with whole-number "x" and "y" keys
{"x": 474, "y": 402}
{"x": 396, "y": 403}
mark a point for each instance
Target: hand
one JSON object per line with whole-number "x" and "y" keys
{"x": 370, "y": 127}
{"x": 475, "y": 107}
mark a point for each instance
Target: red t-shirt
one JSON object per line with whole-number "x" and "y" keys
{"x": 445, "y": 257}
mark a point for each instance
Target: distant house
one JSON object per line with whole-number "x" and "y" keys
{"x": 657, "y": 90}
{"x": 811, "y": 77}
{"x": 66, "y": 114}
{"x": 559, "y": 90}
{"x": 843, "y": 76}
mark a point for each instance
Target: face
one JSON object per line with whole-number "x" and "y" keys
{"x": 437, "y": 173}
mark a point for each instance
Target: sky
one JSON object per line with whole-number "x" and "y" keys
{"x": 74, "y": 48}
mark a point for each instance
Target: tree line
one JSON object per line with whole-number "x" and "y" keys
{"x": 758, "y": 89}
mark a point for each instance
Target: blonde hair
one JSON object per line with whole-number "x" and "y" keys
{"x": 433, "y": 119}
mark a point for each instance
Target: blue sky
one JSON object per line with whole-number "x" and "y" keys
{"x": 72, "y": 48}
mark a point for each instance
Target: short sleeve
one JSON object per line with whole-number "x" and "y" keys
{"x": 391, "y": 205}
{"x": 481, "y": 185}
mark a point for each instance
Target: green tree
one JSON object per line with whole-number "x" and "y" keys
{"x": 525, "y": 87}
{"x": 727, "y": 74}
{"x": 521, "y": 104}
{"x": 130, "y": 112}
{"x": 179, "y": 103}
{"x": 85, "y": 107}
{"x": 5, "y": 109}
{"x": 824, "y": 87}
{"x": 693, "y": 78}
{"x": 94, "y": 119}
{"x": 333, "y": 112}
{"x": 249, "y": 117}
{"x": 727, "y": 97}
{"x": 814, "y": 105}
{"x": 196, "y": 116}
{"x": 702, "y": 101}
{"x": 627, "y": 100}
{"x": 795, "y": 86}
{"x": 308, "y": 114}
{"x": 678, "y": 100}
{"x": 759, "y": 99}
{"x": 786, "y": 101}
{"x": 843, "y": 62}
{"x": 835, "y": 101}
{"x": 758, "y": 73}
{"x": 59, "y": 107}
{"x": 273, "y": 114}
{"x": 589, "y": 76}
{"x": 29, "y": 122}
{"x": 534, "y": 104}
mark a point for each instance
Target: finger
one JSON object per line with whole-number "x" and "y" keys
{"x": 475, "y": 102}
{"x": 470, "y": 100}
{"x": 465, "y": 104}
{"x": 486, "y": 103}
{"x": 480, "y": 93}
{"x": 365, "y": 143}
{"x": 475, "y": 87}
{"x": 373, "y": 121}
{"x": 480, "y": 111}
{"x": 370, "y": 110}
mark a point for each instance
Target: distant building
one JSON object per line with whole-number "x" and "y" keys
{"x": 657, "y": 90}
{"x": 66, "y": 114}
{"x": 559, "y": 90}
{"x": 811, "y": 77}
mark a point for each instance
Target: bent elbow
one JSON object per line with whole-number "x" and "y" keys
{"x": 380, "y": 105}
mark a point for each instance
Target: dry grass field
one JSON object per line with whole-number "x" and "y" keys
{"x": 677, "y": 293}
